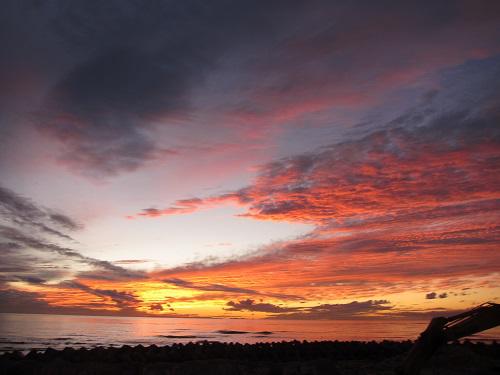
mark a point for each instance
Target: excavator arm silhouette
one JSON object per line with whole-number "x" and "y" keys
{"x": 442, "y": 330}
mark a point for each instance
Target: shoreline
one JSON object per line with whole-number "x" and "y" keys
{"x": 291, "y": 357}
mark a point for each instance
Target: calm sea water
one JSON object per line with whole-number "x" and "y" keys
{"x": 34, "y": 331}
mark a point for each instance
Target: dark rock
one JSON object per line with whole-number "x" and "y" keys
{"x": 281, "y": 358}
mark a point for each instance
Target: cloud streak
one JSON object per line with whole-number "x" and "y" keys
{"x": 30, "y": 238}
{"x": 224, "y": 288}
{"x": 123, "y": 300}
{"x": 21, "y": 211}
{"x": 351, "y": 310}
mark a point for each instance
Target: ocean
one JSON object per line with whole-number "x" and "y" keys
{"x": 36, "y": 331}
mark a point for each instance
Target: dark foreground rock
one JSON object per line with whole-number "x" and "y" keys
{"x": 287, "y": 358}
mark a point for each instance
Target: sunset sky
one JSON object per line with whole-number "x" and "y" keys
{"x": 258, "y": 159}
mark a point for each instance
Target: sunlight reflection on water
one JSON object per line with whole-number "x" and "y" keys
{"x": 28, "y": 331}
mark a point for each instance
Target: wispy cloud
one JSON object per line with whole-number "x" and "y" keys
{"x": 208, "y": 287}
{"x": 21, "y": 211}
{"x": 123, "y": 300}
{"x": 15, "y": 236}
{"x": 31, "y": 238}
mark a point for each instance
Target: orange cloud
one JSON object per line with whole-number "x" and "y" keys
{"x": 391, "y": 172}
{"x": 395, "y": 211}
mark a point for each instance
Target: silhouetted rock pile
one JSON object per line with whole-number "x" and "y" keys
{"x": 325, "y": 357}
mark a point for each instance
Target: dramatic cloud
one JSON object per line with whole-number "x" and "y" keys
{"x": 251, "y": 305}
{"x": 131, "y": 69}
{"x": 420, "y": 191}
{"x": 101, "y": 125}
{"x": 342, "y": 311}
{"x": 387, "y": 149}
{"x": 326, "y": 311}
{"x": 118, "y": 74}
{"x": 452, "y": 160}
{"x": 404, "y": 206}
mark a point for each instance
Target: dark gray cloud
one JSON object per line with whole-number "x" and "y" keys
{"x": 123, "y": 300}
{"x": 349, "y": 310}
{"x": 434, "y": 295}
{"x": 156, "y": 307}
{"x": 21, "y": 211}
{"x": 31, "y": 269}
{"x": 19, "y": 301}
{"x": 141, "y": 62}
{"x": 431, "y": 295}
{"x": 65, "y": 221}
{"x": 33, "y": 259}
{"x": 22, "y": 302}
{"x": 8, "y": 247}
{"x": 251, "y": 305}
{"x": 159, "y": 306}
{"x": 30, "y": 240}
{"x": 105, "y": 71}
{"x": 98, "y": 132}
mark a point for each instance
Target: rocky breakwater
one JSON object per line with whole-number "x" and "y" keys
{"x": 290, "y": 358}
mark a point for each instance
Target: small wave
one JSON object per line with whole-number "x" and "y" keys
{"x": 231, "y": 332}
{"x": 14, "y": 342}
{"x": 179, "y": 336}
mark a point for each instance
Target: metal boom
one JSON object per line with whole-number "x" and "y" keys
{"x": 442, "y": 330}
